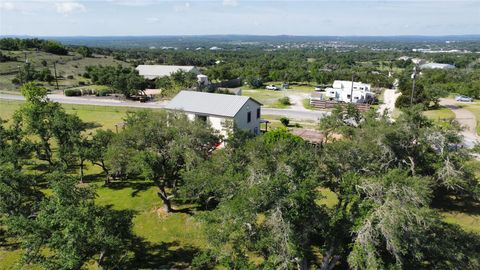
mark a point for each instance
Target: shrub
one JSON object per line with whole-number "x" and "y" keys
{"x": 284, "y": 101}
{"x": 70, "y": 77}
{"x": 87, "y": 92}
{"x": 81, "y": 83}
{"x": 255, "y": 82}
{"x": 285, "y": 121}
{"x": 73, "y": 92}
{"x": 103, "y": 92}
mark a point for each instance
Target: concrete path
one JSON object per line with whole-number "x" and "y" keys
{"x": 466, "y": 119}
{"x": 296, "y": 98}
{"x": 389, "y": 98}
{"x": 290, "y": 113}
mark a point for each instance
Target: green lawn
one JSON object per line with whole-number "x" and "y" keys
{"x": 441, "y": 113}
{"x": 268, "y": 98}
{"x": 105, "y": 116}
{"x": 275, "y": 122}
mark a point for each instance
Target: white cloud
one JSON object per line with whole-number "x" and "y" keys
{"x": 153, "y": 19}
{"x": 69, "y": 7}
{"x": 133, "y": 3}
{"x": 7, "y": 6}
{"x": 182, "y": 8}
{"x": 230, "y": 3}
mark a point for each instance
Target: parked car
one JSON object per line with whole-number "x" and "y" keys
{"x": 463, "y": 98}
{"x": 272, "y": 87}
{"x": 318, "y": 88}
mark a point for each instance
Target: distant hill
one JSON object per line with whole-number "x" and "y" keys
{"x": 212, "y": 40}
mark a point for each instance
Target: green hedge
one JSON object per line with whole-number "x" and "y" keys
{"x": 102, "y": 92}
{"x": 73, "y": 92}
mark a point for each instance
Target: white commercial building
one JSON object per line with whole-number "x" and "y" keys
{"x": 436, "y": 66}
{"x": 342, "y": 91}
{"x": 221, "y": 111}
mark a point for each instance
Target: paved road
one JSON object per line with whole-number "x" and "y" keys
{"x": 466, "y": 120}
{"x": 290, "y": 113}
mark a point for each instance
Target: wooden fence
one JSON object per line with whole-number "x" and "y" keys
{"x": 327, "y": 104}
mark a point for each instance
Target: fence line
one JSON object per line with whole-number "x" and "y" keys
{"x": 324, "y": 104}
{"x": 74, "y": 107}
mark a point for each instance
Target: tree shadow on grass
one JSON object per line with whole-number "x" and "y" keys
{"x": 170, "y": 255}
{"x": 137, "y": 186}
{"x": 459, "y": 204}
{"x": 7, "y": 242}
{"x": 95, "y": 177}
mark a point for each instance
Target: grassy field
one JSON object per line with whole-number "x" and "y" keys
{"x": 105, "y": 116}
{"x": 442, "y": 113}
{"x": 268, "y": 98}
{"x": 67, "y": 65}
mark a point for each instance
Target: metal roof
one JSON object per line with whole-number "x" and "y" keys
{"x": 208, "y": 103}
{"x": 155, "y": 71}
{"x": 436, "y": 66}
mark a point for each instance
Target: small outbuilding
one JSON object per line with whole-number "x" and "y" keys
{"x": 221, "y": 111}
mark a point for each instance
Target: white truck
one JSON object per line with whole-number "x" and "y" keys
{"x": 272, "y": 87}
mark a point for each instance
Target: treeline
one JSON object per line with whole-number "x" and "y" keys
{"x": 123, "y": 80}
{"x": 433, "y": 84}
{"x": 257, "y": 65}
{"x": 27, "y": 73}
{"x": 127, "y": 81}
{"x": 6, "y": 58}
{"x": 49, "y": 46}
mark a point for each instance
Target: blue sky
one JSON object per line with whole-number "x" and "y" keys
{"x": 199, "y": 17}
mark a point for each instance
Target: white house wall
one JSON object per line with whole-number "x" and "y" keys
{"x": 219, "y": 123}
{"x": 241, "y": 117}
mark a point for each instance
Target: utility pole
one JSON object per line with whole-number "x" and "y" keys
{"x": 20, "y": 75}
{"x": 414, "y": 77}
{"x": 351, "y": 90}
{"x": 55, "y": 70}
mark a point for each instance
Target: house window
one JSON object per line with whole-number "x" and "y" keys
{"x": 258, "y": 113}
{"x": 249, "y": 117}
{"x": 202, "y": 118}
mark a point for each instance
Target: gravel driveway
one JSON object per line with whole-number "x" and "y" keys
{"x": 466, "y": 120}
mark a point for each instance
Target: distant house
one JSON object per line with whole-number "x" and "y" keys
{"x": 436, "y": 66}
{"x": 221, "y": 111}
{"x": 151, "y": 72}
{"x": 342, "y": 91}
